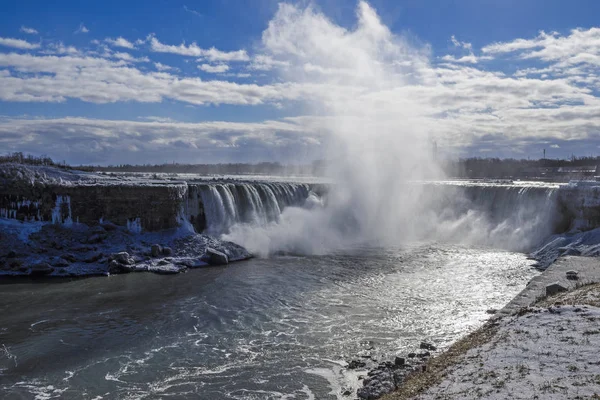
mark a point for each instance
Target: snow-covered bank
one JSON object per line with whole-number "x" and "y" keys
{"x": 537, "y": 347}
{"x": 41, "y": 249}
{"x": 585, "y": 244}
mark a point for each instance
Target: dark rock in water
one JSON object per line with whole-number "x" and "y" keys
{"x": 572, "y": 275}
{"x": 412, "y": 355}
{"x": 424, "y": 354}
{"x": 356, "y": 364}
{"x": 167, "y": 251}
{"x": 214, "y": 257}
{"x": 555, "y": 288}
{"x": 427, "y": 346}
{"x": 41, "y": 269}
{"x": 69, "y": 257}
{"x": 399, "y": 361}
{"x": 491, "y": 311}
{"x": 347, "y": 392}
{"x": 156, "y": 250}
{"x": 11, "y": 254}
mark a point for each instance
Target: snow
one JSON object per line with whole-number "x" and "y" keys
{"x": 545, "y": 353}
{"x": 575, "y": 243}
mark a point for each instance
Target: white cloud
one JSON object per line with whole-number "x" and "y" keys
{"x": 82, "y": 29}
{"x": 98, "y": 80}
{"x": 163, "y": 67}
{"x": 457, "y": 43}
{"x": 191, "y": 11}
{"x": 214, "y": 69}
{"x": 471, "y": 59}
{"x": 18, "y": 44}
{"x": 263, "y": 62}
{"x": 194, "y": 50}
{"x": 29, "y": 31}
{"x": 160, "y": 139}
{"x": 128, "y": 57}
{"x": 120, "y": 42}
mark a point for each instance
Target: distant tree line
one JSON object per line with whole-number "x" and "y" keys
{"x": 474, "y": 167}
{"x": 28, "y": 159}
{"x": 477, "y": 167}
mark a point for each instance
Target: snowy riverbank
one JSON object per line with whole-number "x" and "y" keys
{"x": 537, "y": 347}
{"x": 41, "y": 249}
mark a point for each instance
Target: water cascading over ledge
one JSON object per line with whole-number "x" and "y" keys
{"x": 207, "y": 207}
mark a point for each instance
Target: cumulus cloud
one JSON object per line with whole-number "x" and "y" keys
{"x": 99, "y": 80}
{"x": 194, "y": 50}
{"x": 113, "y": 141}
{"x": 552, "y": 96}
{"x": 18, "y": 44}
{"x": 29, "y": 31}
{"x": 214, "y": 69}
{"x": 162, "y": 67}
{"x": 262, "y": 62}
{"x": 120, "y": 42}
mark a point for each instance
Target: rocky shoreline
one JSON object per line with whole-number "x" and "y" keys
{"x": 501, "y": 360}
{"x": 384, "y": 377}
{"x": 55, "y": 250}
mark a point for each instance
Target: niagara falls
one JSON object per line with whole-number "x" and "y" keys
{"x": 299, "y": 200}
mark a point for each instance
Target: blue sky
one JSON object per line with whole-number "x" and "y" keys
{"x": 240, "y": 80}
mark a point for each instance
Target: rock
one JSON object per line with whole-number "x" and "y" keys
{"x": 214, "y": 257}
{"x": 412, "y": 355}
{"x": 93, "y": 258}
{"x": 555, "y": 288}
{"x": 41, "y": 269}
{"x": 11, "y": 254}
{"x": 347, "y": 392}
{"x": 168, "y": 269}
{"x": 69, "y": 257}
{"x": 156, "y": 250}
{"x": 61, "y": 263}
{"x": 491, "y": 311}
{"x": 356, "y": 364}
{"x": 377, "y": 386}
{"x": 122, "y": 258}
{"x": 572, "y": 275}
{"x": 427, "y": 346}
{"x": 424, "y": 354}
{"x": 95, "y": 238}
{"x": 109, "y": 226}
{"x": 399, "y": 361}
{"x": 167, "y": 251}
{"x": 114, "y": 267}
{"x": 163, "y": 262}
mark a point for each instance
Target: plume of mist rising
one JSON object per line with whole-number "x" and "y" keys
{"x": 376, "y": 141}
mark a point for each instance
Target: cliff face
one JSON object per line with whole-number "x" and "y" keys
{"x": 582, "y": 204}
{"x": 151, "y": 207}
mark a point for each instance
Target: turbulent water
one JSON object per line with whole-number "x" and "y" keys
{"x": 263, "y": 329}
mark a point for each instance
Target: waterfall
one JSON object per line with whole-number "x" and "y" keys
{"x": 227, "y": 204}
